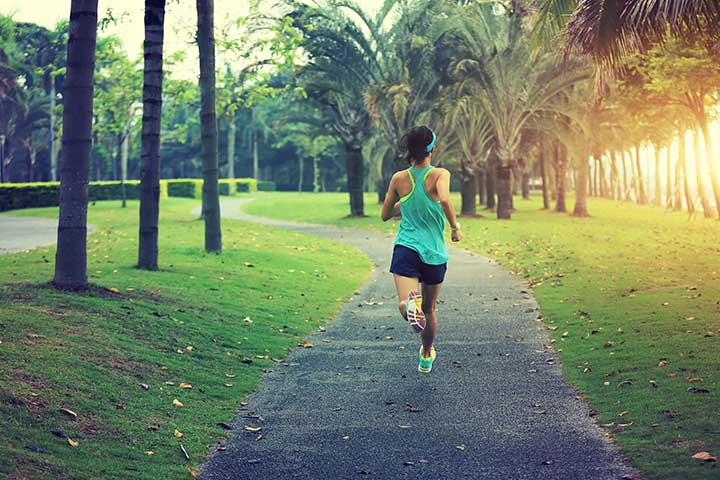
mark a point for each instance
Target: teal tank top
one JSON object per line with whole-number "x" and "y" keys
{"x": 423, "y": 221}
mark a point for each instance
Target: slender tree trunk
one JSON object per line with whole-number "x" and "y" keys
{"x": 707, "y": 210}
{"x": 256, "y": 157}
{"x": 231, "y": 146}
{"x": 53, "y": 94}
{"x": 490, "y": 181}
{"x": 658, "y": 188}
{"x": 123, "y": 165}
{"x": 468, "y": 189}
{"x": 614, "y": 176}
{"x": 316, "y": 174}
{"x": 626, "y": 186}
{"x": 482, "y": 193}
{"x": 525, "y": 186}
{"x": 560, "y": 174}
{"x": 711, "y": 163}
{"x": 543, "y": 175}
{"x": 668, "y": 185}
{"x": 642, "y": 197}
{"x": 580, "y": 209}
{"x": 301, "y": 172}
{"x": 678, "y": 177}
{"x": 208, "y": 125}
{"x": 503, "y": 176}
{"x": 71, "y": 253}
{"x": 686, "y": 181}
{"x": 150, "y": 149}
{"x": 354, "y": 166}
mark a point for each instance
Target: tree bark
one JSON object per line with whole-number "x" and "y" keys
{"x": 580, "y": 209}
{"x": 658, "y": 188}
{"x": 642, "y": 196}
{"x": 468, "y": 195}
{"x": 53, "y": 94}
{"x": 316, "y": 174}
{"x": 71, "y": 253}
{"x": 713, "y": 172}
{"x": 543, "y": 174}
{"x": 678, "y": 180}
{"x": 707, "y": 210}
{"x": 482, "y": 193}
{"x": 123, "y": 165}
{"x": 668, "y": 185}
{"x": 208, "y": 125}
{"x": 490, "y": 181}
{"x": 626, "y": 189}
{"x": 525, "y": 185}
{"x": 614, "y": 177}
{"x": 503, "y": 176}
{"x": 686, "y": 181}
{"x": 354, "y": 166}
{"x": 256, "y": 157}
{"x": 561, "y": 155}
{"x": 231, "y": 146}
{"x": 301, "y": 172}
{"x": 150, "y": 149}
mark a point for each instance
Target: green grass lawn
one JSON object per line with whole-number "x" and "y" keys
{"x": 200, "y": 331}
{"x": 631, "y": 297}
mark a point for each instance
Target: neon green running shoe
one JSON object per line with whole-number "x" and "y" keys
{"x": 425, "y": 364}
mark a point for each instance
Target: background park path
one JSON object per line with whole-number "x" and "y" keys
{"x": 354, "y": 406}
{"x": 18, "y": 233}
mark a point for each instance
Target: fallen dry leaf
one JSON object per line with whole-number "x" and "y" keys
{"x": 178, "y": 403}
{"x": 149, "y": 452}
{"x": 72, "y": 442}
{"x": 662, "y": 363}
{"x": 460, "y": 447}
{"x": 424, "y": 461}
{"x": 69, "y": 412}
{"x": 408, "y": 463}
{"x": 705, "y": 457}
{"x": 193, "y": 473}
{"x": 177, "y": 433}
{"x": 307, "y": 345}
{"x": 548, "y": 462}
{"x": 249, "y": 428}
{"x": 185, "y": 385}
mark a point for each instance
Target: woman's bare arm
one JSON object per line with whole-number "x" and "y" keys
{"x": 391, "y": 207}
{"x": 443, "y": 190}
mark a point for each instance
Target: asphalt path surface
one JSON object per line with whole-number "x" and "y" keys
{"x": 18, "y": 234}
{"x": 495, "y": 406}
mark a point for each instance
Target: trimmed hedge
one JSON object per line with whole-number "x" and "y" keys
{"x": 14, "y": 196}
{"x": 265, "y": 186}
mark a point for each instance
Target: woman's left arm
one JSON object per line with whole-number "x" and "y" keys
{"x": 391, "y": 207}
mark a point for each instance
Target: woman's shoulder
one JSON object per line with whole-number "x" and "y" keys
{"x": 440, "y": 171}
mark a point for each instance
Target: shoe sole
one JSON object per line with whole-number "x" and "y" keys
{"x": 416, "y": 317}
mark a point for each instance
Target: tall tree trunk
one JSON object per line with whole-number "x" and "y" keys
{"x": 658, "y": 188}
{"x": 707, "y": 210}
{"x": 468, "y": 189}
{"x": 603, "y": 181}
{"x": 713, "y": 172}
{"x": 124, "y": 148}
{"x": 150, "y": 149}
{"x": 71, "y": 253}
{"x": 503, "y": 176}
{"x": 53, "y": 94}
{"x": 301, "y": 172}
{"x": 668, "y": 185}
{"x": 678, "y": 178}
{"x": 354, "y": 166}
{"x": 543, "y": 175}
{"x": 525, "y": 186}
{"x": 626, "y": 185}
{"x": 614, "y": 176}
{"x": 642, "y": 197}
{"x": 561, "y": 154}
{"x": 231, "y": 146}
{"x": 482, "y": 193}
{"x": 686, "y": 182}
{"x": 316, "y": 174}
{"x": 208, "y": 125}
{"x": 256, "y": 157}
{"x": 580, "y": 209}
{"x": 490, "y": 181}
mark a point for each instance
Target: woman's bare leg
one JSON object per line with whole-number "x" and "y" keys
{"x": 430, "y": 296}
{"x": 404, "y": 286}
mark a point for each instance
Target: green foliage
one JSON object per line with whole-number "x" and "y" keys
{"x": 266, "y": 186}
{"x": 90, "y": 352}
{"x": 185, "y": 187}
{"x": 15, "y": 196}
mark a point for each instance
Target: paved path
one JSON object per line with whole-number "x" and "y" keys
{"x": 340, "y": 410}
{"x": 19, "y": 233}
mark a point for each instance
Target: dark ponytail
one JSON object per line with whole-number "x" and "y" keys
{"x": 414, "y": 144}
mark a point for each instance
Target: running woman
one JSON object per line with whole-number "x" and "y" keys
{"x": 421, "y": 195}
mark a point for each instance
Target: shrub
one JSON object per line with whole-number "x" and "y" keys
{"x": 265, "y": 186}
{"x": 246, "y": 185}
{"x": 185, "y": 187}
{"x": 226, "y": 187}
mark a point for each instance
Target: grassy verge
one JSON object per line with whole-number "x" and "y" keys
{"x": 632, "y": 300}
{"x": 200, "y": 331}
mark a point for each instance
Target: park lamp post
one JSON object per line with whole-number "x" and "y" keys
{"x": 2, "y": 158}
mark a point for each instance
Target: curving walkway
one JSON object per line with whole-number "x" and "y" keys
{"x": 495, "y": 406}
{"x": 18, "y": 233}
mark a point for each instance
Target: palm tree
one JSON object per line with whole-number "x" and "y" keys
{"x": 71, "y": 254}
{"x": 208, "y": 125}
{"x": 152, "y": 113}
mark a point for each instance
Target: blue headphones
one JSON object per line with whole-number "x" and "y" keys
{"x": 429, "y": 148}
